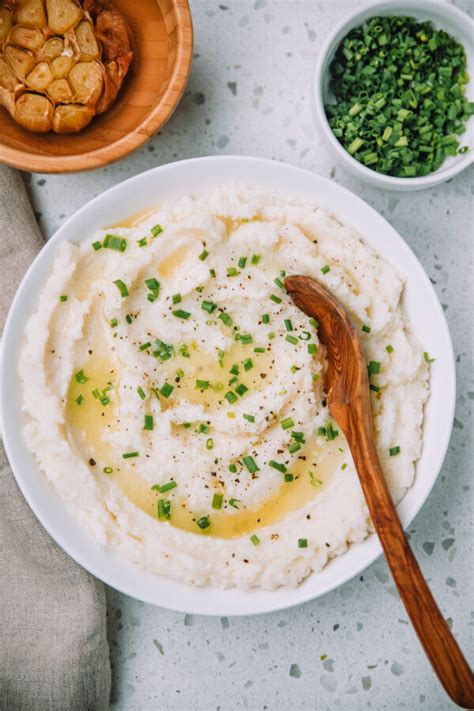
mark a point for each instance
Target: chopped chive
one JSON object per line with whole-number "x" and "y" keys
{"x": 217, "y": 500}
{"x": 288, "y": 324}
{"x": 114, "y": 323}
{"x": 255, "y": 258}
{"x": 176, "y": 298}
{"x": 294, "y": 447}
{"x": 154, "y": 287}
{"x": 129, "y": 455}
{"x": 250, "y": 463}
{"x": 141, "y": 392}
{"x": 373, "y": 367}
{"x": 312, "y": 348}
{"x": 374, "y": 388}
{"x": 248, "y": 364}
{"x": 298, "y": 436}
{"x": 232, "y": 272}
{"x": 225, "y": 318}
{"x": 107, "y": 470}
{"x": 331, "y": 433}
{"x": 287, "y": 423}
{"x": 242, "y": 262}
{"x": 427, "y": 358}
{"x": 245, "y": 339}
{"x": 275, "y": 298}
{"x": 241, "y": 389}
{"x": 277, "y": 465}
{"x": 202, "y": 427}
{"x": 79, "y": 400}
{"x": 96, "y": 246}
{"x": 292, "y": 339}
{"x": 321, "y": 432}
{"x": 208, "y": 306}
{"x": 202, "y": 384}
{"x": 259, "y": 349}
{"x": 231, "y": 397}
{"x": 142, "y": 242}
{"x": 279, "y": 283}
{"x": 204, "y": 254}
{"x": 235, "y": 369}
{"x": 389, "y": 348}
{"x": 121, "y": 287}
{"x": 156, "y": 230}
{"x": 366, "y": 329}
{"x": 234, "y": 503}
{"x": 304, "y": 336}
{"x": 164, "y": 351}
{"x": 81, "y": 377}
{"x": 313, "y": 323}
{"x": 265, "y": 318}
{"x": 212, "y": 272}
{"x": 167, "y": 487}
{"x": 393, "y": 451}
{"x": 203, "y": 522}
{"x": 166, "y": 390}
{"x": 249, "y": 418}
{"x": 183, "y": 350}
{"x": 163, "y": 508}
{"x": 326, "y": 269}
{"x": 302, "y": 542}
{"x": 255, "y": 539}
{"x": 232, "y": 468}
{"x": 288, "y": 477}
{"x": 119, "y": 244}
{"x": 148, "y": 422}
{"x": 63, "y": 297}
{"x": 209, "y": 443}
{"x": 179, "y": 313}
{"x": 344, "y": 466}
{"x": 144, "y": 346}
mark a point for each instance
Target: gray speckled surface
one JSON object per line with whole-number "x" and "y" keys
{"x": 353, "y": 648}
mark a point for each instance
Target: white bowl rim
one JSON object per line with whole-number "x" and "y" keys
{"x": 388, "y": 181}
{"x": 90, "y": 554}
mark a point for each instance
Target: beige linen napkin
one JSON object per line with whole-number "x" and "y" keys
{"x": 53, "y": 650}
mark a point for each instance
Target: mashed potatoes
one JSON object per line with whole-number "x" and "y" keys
{"x": 182, "y": 411}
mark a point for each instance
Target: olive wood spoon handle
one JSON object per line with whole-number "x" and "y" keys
{"x": 349, "y": 403}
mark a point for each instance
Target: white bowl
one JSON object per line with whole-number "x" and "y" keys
{"x": 140, "y": 193}
{"x": 443, "y": 16}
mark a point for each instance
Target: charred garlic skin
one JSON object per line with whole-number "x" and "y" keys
{"x": 61, "y": 61}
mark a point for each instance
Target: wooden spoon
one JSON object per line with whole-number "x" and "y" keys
{"x": 349, "y": 403}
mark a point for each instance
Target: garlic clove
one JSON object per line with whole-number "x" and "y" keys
{"x": 34, "y": 112}
{"x": 71, "y": 118}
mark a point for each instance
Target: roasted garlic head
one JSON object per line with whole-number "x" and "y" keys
{"x": 61, "y": 61}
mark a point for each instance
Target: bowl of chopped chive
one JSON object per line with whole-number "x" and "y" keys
{"x": 393, "y": 95}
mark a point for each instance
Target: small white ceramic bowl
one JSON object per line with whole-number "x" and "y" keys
{"x": 145, "y": 191}
{"x": 443, "y": 15}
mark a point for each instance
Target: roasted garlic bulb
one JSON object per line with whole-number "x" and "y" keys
{"x": 61, "y": 61}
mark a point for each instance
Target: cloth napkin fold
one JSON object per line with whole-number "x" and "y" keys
{"x": 54, "y": 654}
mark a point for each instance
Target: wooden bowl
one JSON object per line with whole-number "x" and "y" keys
{"x": 162, "y": 39}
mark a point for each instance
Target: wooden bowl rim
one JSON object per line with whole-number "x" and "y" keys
{"x": 16, "y": 158}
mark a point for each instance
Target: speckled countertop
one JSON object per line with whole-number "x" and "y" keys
{"x": 352, "y": 649}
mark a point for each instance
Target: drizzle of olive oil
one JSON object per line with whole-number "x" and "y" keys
{"x": 133, "y": 220}
{"x": 87, "y": 423}
{"x": 170, "y": 264}
{"x": 183, "y": 373}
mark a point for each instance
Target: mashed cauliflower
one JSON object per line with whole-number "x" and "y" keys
{"x": 183, "y": 417}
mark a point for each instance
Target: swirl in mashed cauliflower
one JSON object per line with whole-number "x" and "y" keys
{"x": 183, "y": 417}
